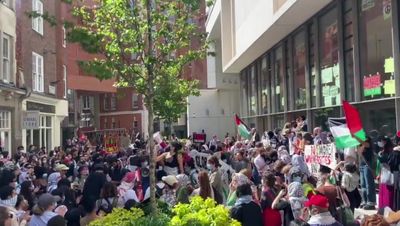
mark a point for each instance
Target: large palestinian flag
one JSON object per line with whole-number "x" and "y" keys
{"x": 242, "y": 128}
{"x": 341, "y": 133}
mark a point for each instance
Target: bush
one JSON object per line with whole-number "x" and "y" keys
{"x": 119, "y": 216}
{"x": 201, "y": 213}
{"x": 198, "y": 213}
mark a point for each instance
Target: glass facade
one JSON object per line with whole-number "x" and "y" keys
{"x": 345, "y": 51}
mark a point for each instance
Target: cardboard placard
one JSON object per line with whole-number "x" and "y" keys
{"x": 319, "y": 154}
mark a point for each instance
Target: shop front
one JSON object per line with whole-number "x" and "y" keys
{"x": 41, "y": 121}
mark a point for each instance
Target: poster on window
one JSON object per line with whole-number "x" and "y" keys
{"x": 387, "y": 9}
{"x": 367, "y": 4}
{"x": 323, "y": 154}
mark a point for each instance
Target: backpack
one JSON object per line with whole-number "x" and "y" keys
{"x": 106, "y": 208}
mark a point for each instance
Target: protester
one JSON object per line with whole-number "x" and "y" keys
{"x": 271, "y": 217}
{"x": 367, "y": 175}
{"x": 386, "y": 191}
{"x": 43, "y": 210}
{"x": 246, "y": 211}
{"x": 266, "y": 178}
{"x": 215, "y": 179}
{"x": 318, "y": 208}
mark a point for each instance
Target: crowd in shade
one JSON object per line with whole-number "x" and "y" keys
{"x": 264, "y": 181}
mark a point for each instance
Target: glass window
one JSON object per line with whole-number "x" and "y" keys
{"x": 299, "y": 70}
{"x": 37, "y": 72}
{"x": 135, "y": 100}
{"x": 6, "y": 58}
{"x": 320, "y": 117}
{"x": 37, "y": 22}
{"x": 329, "y": 59}
{"x": 379, "y": 118}
{"x": 288, "y": 74}
{"x": 376, "y": 55}
{"x": 253, "y": 91}
{"x": 348, "y": 52}
{"x": 105, "y": 102}
{"x": 311, "y": 53}
{"x": 243, "y": 93}
{"x": 265, "y": 81}
{"x": 279, "y": 80}
{"x": 5, "y": 130}
{"x": 278, "y": 121}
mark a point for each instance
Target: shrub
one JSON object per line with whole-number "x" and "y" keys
{"x": 120, "y": 217}
{"x": 201, "y": 213}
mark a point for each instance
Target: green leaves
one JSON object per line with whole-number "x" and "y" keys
{"x": 202, "y": 213}
{"x": 149, "y": 60}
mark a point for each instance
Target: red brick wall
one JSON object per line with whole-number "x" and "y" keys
{"x": 122, "y": 121}
{"x": 198, "y": 69}
{"x": 30, "y": 41}
{"x": 124, "y": 101}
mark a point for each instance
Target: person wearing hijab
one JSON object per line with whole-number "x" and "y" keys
{"x": 52, "y": 181}
{"x": 184, "y": 189}
{"x": 237, "y": 180}
{"x": 283, "y": 155}
{"x": 296, "y": 198}
{"x": 298, "y": 161}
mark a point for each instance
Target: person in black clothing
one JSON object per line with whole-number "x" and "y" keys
{"x": 246, "y": 211}
{"x": 368, "y": 193}
{"x": 94, "y": 182}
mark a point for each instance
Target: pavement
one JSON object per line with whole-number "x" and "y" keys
{"x": 361, "y": 212}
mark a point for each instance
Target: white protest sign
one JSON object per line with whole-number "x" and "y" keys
{"x": 323, "y": 154}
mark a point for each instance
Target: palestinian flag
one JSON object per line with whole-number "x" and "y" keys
{"x": 341, "y": 133}
{"x": 242, "y": 128}
{"x": 353, "y": 120}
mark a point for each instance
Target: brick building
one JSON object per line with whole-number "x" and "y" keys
{"x": 38, "y": 74}
{"x": 94, "y": 104}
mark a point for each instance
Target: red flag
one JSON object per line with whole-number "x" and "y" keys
{"x": 353, "y": 120}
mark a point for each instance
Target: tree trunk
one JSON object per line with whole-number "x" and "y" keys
{"x": 151, "y": 151}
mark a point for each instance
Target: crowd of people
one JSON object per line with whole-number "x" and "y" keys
{"x": 270, "y": 183}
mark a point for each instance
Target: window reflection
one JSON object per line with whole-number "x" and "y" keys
{"x": 299, "y": 70}
{"x": 329, "y": 59}
{"x": 376, "y": 57}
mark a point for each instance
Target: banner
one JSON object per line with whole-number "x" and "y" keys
{"x": 200, "y": 162}
{"x": 323, "y": 154}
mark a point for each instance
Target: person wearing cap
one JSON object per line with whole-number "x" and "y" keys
{"x": 318, "y": 209}
{"x": 169, "y": 194}
{"x": 62, "y": 169}
{"x": 43, "y": 210}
